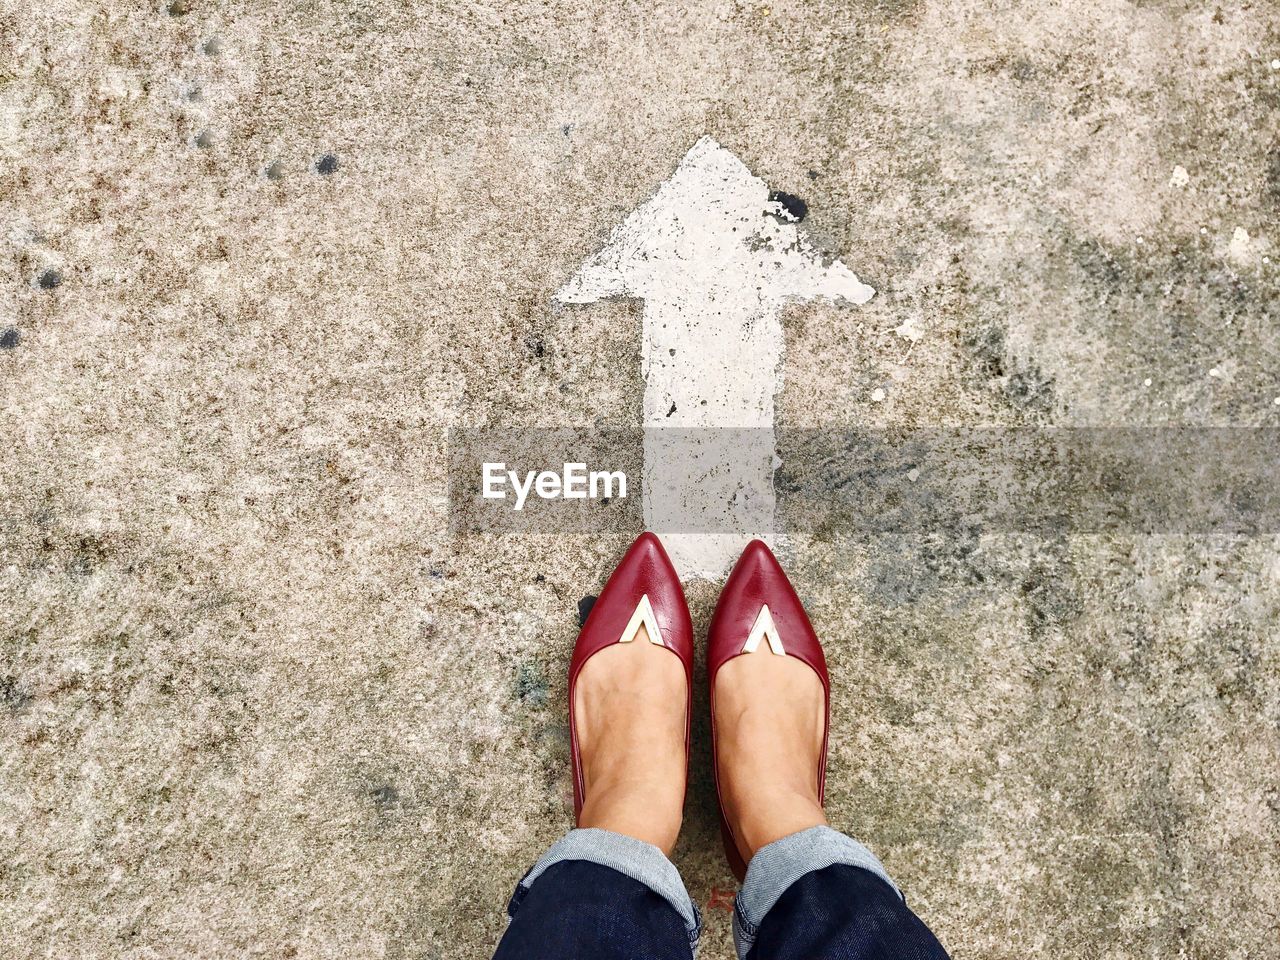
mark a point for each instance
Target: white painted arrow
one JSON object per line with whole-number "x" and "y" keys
{"x": 714, "y": 260}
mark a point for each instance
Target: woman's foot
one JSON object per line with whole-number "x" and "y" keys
{"x": 630, "y": 705}
{"x": 770, "y": 714}
{"x": 769, "y": 696}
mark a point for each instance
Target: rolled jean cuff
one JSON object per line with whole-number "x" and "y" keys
{"x": 777, "y": 866}
{"x": 642, "y": 862}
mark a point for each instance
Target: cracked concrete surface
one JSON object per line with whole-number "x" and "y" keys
{"x": 255, "y": 700}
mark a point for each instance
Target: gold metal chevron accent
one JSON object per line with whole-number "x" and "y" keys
{"x": 764, "y": 627}
{"x": 643, "y": 615}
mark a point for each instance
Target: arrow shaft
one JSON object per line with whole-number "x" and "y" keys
{"x": 712, "y": 370}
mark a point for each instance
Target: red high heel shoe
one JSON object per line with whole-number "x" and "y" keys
{"x": 759, "y": 605}
{"x": 643, "y": 589}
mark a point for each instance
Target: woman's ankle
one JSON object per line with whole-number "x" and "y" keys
{"x": 630, "y": 810}
{"x": 772, "y": 817}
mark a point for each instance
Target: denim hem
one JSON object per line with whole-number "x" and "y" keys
{"x": 777, "y": 866}
{"x": 642, "y": 862}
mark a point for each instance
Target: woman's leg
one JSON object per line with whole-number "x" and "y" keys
{"x": 607, "y": 889}
{"x": 810, "y": 893}
{"x": 599, "y": 895}
{"x": 819, "y": 895}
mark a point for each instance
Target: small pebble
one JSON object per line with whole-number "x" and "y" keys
{"x": 877, "y": 395}
{"x": 1215, "y": 372}
{"x": 1276, "y": 401}
{"x": 327, "y": 164}
{"x": 50, "y": 279}
{"x": 1146, "y": 382}
{"x": 1275, "y": 64}
{"x": 9, "y": 338}
{"x": 1240, "y": 246}
{"x": 913, "y": 475}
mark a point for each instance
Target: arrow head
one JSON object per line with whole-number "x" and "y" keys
{"x": 711, "y": 230}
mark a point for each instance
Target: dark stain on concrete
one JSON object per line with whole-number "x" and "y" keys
{"x": 88, "y": 553}
{"x": 988, "y": 348}
{"x": 327, "y": 165}
{"x": 1047, "y": 591}
{"x": 584, "y": 608}
{"x": 900, "y": 579}
{"x": 384, "y": 797}
{"x": 1030, "y": 387}
{"x": 1021, "y": 381}
{"x": 1178, "y": 308}
{"x": 954, "y": 554}
{"x": 796, "y": 207}
{"x": 531, "y": 685}
{"x": 12, "y": 696}
{"x": 1272, "y": 188}
{"x": 50, "y": 280}
{"x": 10, "y": 338}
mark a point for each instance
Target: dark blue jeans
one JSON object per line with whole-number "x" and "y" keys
{"x": 578, "y": 910}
